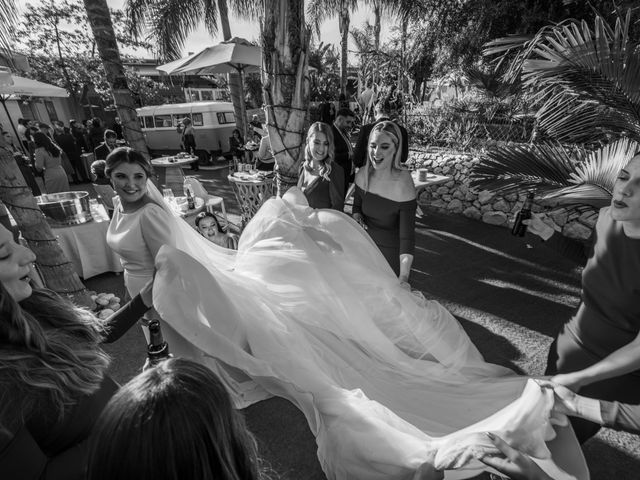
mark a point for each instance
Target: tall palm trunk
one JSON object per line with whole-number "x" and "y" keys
{"x": 235, "y": 85}
{"x": 57, "y": 272}
{"x": 402, "y": 83}
{"x": 285, "y": 43}
{"x": 102, "y": 27}
{"x": 344, "y": 44}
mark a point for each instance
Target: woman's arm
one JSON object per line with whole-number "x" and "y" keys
{"x": 407, "y": 232}
{"x": 357, "y": 208}
{"x": 622, "y": 361}
{"x": 573, "y": 249}
{"x": 122, "y": 320}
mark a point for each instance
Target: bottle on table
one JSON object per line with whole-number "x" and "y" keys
{"x": 232, "y": 165}
{"x": 520, "y": 228}
{"x": 188, "y": 191}
{"x": 158, "y": 349}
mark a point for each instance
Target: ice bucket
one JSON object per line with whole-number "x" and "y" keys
{"x": 65, "y": 208}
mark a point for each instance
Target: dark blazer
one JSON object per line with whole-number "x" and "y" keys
{"x": 101, "y": 152}
{"x": 360, "y": 152}
{"x": 341, "y": 155}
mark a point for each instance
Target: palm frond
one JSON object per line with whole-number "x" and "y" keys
{"x": 572, "y": 178}
{"x": 169, "y": 22}
{"x": 513, "y": 169}
{"x": 8, "y": 24}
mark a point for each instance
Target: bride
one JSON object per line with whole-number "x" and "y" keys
{"x": 308, "y": 309}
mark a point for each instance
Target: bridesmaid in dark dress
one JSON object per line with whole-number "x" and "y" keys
{"x": 385, "y": 199}
{"x": 321, "y": 179}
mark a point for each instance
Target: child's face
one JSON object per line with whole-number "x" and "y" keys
{"x": 207, "y": 228}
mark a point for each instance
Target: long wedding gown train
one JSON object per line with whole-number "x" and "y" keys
{"x": 308, "y": 309}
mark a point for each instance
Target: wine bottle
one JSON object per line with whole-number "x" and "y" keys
{"x": 188, "y": 190}
{"x": 158, "y": 349}
{"x": 520, "y": 228}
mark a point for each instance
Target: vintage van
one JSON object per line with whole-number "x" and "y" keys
{"x": 213, "y": 123}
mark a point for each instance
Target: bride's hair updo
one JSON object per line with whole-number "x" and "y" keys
{"x": 126, "y": 155}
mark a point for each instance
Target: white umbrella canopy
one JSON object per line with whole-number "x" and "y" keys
{"x": 234, "y": 55}
{"x": 171, "y": 67}
{"x": 32, "y": 88}
{"x": 231, "y": 56}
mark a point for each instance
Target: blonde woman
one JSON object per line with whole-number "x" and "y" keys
{"x": 385, "y": 199}
{"x": 321, "y": 179}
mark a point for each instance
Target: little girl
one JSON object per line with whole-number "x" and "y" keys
{"x": 208, "y": 226}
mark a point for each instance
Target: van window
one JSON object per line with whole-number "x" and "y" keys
{"x": 148, "y": 121}
{"x": 196, "y": 118}
{"x": 207, "y": 95}
{"x": 141, "y": 121}
{"x": 226, "y": 117}
{"x": 177, "y": 118}
{"x": 163, "y": 121}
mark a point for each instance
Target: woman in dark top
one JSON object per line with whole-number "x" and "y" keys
{"x": 597, "y": 352}
{"x": 236, "y": 144}
{"x": 385, "y": 199}
{"x": 53, "y": 382}
{"x": 321, "y": 179}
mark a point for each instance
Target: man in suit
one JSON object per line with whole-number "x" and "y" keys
{"x": 104, "y": 149}
{"x": 383, "y": 111}
{"x": 343, "y": 150}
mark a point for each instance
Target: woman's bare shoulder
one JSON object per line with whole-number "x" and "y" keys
{"x": 405, "y": 189}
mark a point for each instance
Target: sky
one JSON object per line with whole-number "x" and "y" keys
{"x": 329, "y": 32}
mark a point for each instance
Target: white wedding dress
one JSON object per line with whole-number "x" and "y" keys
{"x": 308, "y": 309}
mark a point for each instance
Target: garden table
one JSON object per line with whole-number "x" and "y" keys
{"x": 251, "y": 191}
{"x": 170, "y": 171}
{"x": 429, "y": 180}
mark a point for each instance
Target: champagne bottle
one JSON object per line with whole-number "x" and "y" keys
{"x": 524, "y": 214}
{"x": 188, "y": 190}
{"x": 158, "y": 349}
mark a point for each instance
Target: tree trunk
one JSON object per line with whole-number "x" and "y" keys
{"x": 57, "y": 272}
{"x": 233, "y": 79}
{"x": 285, "y": 43}
{"x": 403, "y": 51}
{"x": 102, "y": 27}
{"x": 344, "y": 44}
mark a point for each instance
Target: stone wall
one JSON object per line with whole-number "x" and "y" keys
{"x": 456, "y": 197}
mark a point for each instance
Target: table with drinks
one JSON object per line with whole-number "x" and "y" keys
{"x": 183, "y": 205}
{"x": 170, "y": 170}
{"x": 252, "y": 188}
{"x": 85, "y": 244}
{"x": 422, "y": 179}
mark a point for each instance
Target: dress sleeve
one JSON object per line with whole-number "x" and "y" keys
{"x": 575, "y": 250}
{"x": 20, "y": 455}
{"x": 124, "y": 319}
{"x": 336, "y": 188}
{"x": 357, "y": 201}
{"x": 155, "y": 224}
{"x": 407, "y": 226}
{"x": 621, "y": 416}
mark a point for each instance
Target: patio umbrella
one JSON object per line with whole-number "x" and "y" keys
{"x": 14, "y": 85}
{"x": 234, "y": 55}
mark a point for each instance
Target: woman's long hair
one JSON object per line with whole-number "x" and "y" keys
{"x": 391, "y": 129}
{"x": 173, "y": 421}
{"x": 325, "y": 170}
{"x": 43, "y": 141}
{"x": 49, "y": 354}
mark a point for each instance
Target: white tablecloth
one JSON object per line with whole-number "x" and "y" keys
{"x": 86, "y": 247}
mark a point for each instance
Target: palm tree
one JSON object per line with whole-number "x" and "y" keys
{"x": 285, "y": 44}
{"x": 587, "y": 83}
{"x": 57, "y": 272}
{"x": 170, "y": 21}
{"x": 100, "y": 20}
{"x": 321, "y": 10}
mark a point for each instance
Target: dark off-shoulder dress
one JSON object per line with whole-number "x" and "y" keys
{"x": 390, "y": 224}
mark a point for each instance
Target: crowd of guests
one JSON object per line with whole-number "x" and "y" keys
{"x": 49, "y": 156}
